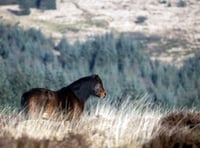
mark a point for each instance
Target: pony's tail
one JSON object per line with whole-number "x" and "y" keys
{"x": 24, "y": 104}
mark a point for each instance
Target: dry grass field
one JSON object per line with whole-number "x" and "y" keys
{"x": 132, "y": 125}
{"x": 102, "y": 125}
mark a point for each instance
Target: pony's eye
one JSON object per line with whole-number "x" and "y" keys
{"x": 97, "y": 86}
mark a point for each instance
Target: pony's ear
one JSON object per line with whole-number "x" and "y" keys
{"x": 95, "y": 76}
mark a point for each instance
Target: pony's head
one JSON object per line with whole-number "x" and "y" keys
{"x": 98, "y": 89}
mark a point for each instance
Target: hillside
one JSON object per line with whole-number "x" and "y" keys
{"x": 171, "y": 28}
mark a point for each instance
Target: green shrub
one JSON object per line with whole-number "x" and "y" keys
{"x": 181, "y": 3}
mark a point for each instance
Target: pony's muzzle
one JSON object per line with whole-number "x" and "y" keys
{"x": 103, "y": 94}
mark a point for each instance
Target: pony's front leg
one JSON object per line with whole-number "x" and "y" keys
{"x": 78, "y": 108}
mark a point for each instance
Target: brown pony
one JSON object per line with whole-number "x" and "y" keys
{"x": 68, "y": 100}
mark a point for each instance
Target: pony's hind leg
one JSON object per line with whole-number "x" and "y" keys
{"x": 49, "y": 110}
{"x": 33, "y": 111}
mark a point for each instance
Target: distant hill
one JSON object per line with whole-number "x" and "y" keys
{"x": 169, "y": 27}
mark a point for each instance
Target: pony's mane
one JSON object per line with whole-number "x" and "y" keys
{"x": 84, "y": 79}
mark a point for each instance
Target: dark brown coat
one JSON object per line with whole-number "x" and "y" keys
{"x": 68, "y": 101}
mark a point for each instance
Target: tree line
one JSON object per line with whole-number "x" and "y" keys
{"x": 28, "y": 59}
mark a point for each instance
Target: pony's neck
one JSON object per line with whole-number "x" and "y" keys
{"x": 82, "y": 90}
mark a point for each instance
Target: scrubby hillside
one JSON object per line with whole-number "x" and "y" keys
{"x": 171, "y": 27}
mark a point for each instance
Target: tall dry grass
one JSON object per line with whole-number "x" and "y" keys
{"x": 103, "y": 125}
